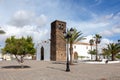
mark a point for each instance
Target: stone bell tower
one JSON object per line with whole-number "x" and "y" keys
{"x": 58, "y": 44}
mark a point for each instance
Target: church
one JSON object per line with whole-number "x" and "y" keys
{"x": 55, "y": 48}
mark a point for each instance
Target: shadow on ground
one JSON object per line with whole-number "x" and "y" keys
{"x": 16, "y": 67}
{"x": 56, "y": 68}
{"x": 58, "y": 62}
{"x": 64, "y": 63}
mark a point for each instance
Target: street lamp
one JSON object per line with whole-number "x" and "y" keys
{"x": 67, "y": 36}
{"x": 119, "y": 41}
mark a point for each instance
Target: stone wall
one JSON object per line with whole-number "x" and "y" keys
{"x": 58, "y": 44}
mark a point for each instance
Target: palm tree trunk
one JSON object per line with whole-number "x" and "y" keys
{"x": 96, "y": 52}
{"x": 104, "y": 56}
{"x": 91, "y": 54}
{"x": 113, "y": 57}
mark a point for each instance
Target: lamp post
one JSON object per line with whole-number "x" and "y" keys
{"x": 67, "y": 36}
{"x": 119, "y": 41}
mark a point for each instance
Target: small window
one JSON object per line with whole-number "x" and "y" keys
{"x": 86, "y": 47}
{"x": 60, "y": 26}
{"x": 74, "y": 47}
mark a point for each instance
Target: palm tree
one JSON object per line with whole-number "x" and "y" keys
{"x": 92, "y": 52}
{"x": 97, "y": 41}
{"x": 105, "y": 53}
{"x": 76, "y": 36}
{"x": 91, "y": 44}
{"x": 114, "y": 49}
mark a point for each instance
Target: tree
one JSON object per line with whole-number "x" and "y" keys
{"x": 91, "y": 44}
{"x": 19, "y": 47}
{"x": 97, "y": 41}
{"x": 105, "y": 53}
{"x": 114, "y": 49}
{"x": 92, "y": 52}
{"x": 76, "y": 36}
{"x": 118, "y": 56}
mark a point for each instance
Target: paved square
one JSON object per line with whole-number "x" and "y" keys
{"x": 47, "y": 70}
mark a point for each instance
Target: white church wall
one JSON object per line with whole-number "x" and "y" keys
{"x": 46, "y": 46}
{"x": 0, "y": 54}
{"x": 47, "y": 51}
{"x": 38, "y": 56}
{"x": 82, "y": 50}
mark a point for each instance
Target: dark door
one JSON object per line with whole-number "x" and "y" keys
{"x": 75, "y": 56}
{"x": 42, "y": 53}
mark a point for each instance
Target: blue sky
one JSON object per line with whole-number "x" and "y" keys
{"x": 33, "y": 17}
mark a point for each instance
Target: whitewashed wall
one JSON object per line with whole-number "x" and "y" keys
{"x": 0, "y": 54}
{"x": 46, "y": 46}
{"x": 81, "y": 48}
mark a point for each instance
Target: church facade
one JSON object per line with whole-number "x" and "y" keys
{"x": 80, "y": 52}
{"x": 55, "y": 48}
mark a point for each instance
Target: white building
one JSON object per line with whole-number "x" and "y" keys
{"x": 0, "y": 54}
{"x": 80, "y": 51}
{"x": 10, "y": 57}
{"x": 43, "y": 51}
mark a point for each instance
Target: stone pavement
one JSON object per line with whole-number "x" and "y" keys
{"x": 47, "y": 70}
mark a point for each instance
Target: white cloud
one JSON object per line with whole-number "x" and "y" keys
{"x": 41, "y": 20}
{"x": 111, "y": 32}
{"x": 117, "y": 16}
{"x": 97, "y": 2}
{"x": 88, "y": 27}
{"x": 104, "y": 42}
{"x": 22, "y": 18}
{"x": 25, "y": 23}
{"x": 36, "y": 33}
{"x": 106, "y": 33}
{"x": 113, "y": 26}
{"x": 109, "y": 16}
{"x": 116, "y": 30}
{"x": 29, "y": 23}
{"x": 87, "y": 38}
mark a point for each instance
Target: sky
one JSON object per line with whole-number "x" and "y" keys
{"x": 33, "y": 18}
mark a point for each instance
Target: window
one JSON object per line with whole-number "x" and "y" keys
{"x": 86, "y": 47}
{"x": 74, "y": 47}
{"x": 60, "y": 26}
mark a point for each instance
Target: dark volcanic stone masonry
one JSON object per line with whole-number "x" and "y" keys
{"x": 58, "y": 44}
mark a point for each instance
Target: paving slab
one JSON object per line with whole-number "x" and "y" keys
{"x": 48, "y": 70}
